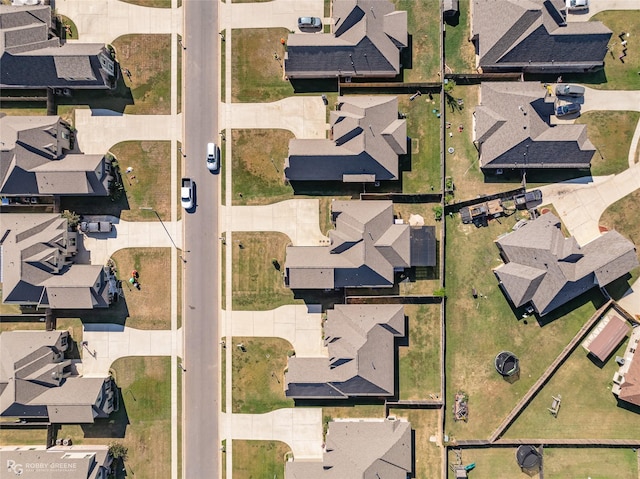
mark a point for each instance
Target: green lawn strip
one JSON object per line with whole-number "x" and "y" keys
{"x": 20, "y": 436}
{"x": 223, "y": 375}
{"x": 24, "y": 108}
{"x": 611, "y": 133}
{"x": 150, "y": 3}
{"x": 257, "y": 76}
{"x": 492, "y": 463}
{"x": 423, "y": 127}
{"x": 179, "y": 75}
{"x": 419, "y": 361}
{"x": 428, "y": 454}
{"x": 258, "y": 374}
{"x": 423, "y": 25}
{"x": 353, "y": 411}
{"x": 478, "y": 329}
{"x": 259, "y": 459}
{"x": 560, "y": 463}
{"x": 72, "y": 32}
{"x": 257, "y": 284}
{"x": 586, "y": 393}
{"x": 622, "y": 216}
{"x": 179, "y": 424}
{"x": 459, "y": 52}
{"x": 143, "y": 422}
{"x": 223, "y": 68}
{"x": 148, "y": 307}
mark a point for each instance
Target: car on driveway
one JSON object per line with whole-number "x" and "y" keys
{"x": 309, "y": 24}
{"x": 569, "y": 90}
{"x": 186, "y": 193}
{"x": 577, "y": 5}
{"x": 567, "y": 109}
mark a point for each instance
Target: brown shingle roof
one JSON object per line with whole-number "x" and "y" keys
{"x": 608, "y": 337}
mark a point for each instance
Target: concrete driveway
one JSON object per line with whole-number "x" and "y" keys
{"x": 298, "y": 219}
{"x": 108, "y": 342}
{"x": 99, "y": 130}
{"x": 304, "y": 116}
{"x": 596, "y": 6}
{"x": 276, "y": 13}
{"x": 300, "y": 428}
{"x": 612, "y": 100}
{"x": 106, "y": 20}
{"x": 292, "y": 322}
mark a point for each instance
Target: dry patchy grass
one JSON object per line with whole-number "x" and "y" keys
{"x": 492, "y": 463}
{"x": 622, "y": 216}
{"x": 560, "y": 463}
{"x": 259, "y": 459}
{"x": 428, "y": 454}
{"x": 460, "y": 55}
{"x": 150, "y": 3}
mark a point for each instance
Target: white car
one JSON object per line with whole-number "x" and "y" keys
{"x": 213, "y": 157}
{"x": 577, "y": 5}
{"x": 186, "y": 193}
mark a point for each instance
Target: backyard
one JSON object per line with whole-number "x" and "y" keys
{"x": 492, "y": 463}
{"x": 460, "y": 56}
{"x": 424, "y": 422}
{"x": 560, "y": 463}
{"x": 259, "y": 459}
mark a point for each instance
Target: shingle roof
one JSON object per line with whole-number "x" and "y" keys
{"x": 607, "y": 335}
{"x": 546, "y": 269}
{"x": 360, "y": 448}
{"x": 360, "y": 343}
{"x": 58, "y": 462}
{"x": 534, "y": 35}
{"x": 367, "y": 138}
{"x": 513, "y": 130}
{"x": 366, "y": 38}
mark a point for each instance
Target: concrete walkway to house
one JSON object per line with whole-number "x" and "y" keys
{"x": 107, "y": 342}
{"x": 276, "y": 13}
{"x": 611, "y": 100}
{"x": 304, "y": 116}
{"x": 98, "y": 130}
{"x": 596, "y": 6}
{"x": 298, "y": 219}
{"x": 129, "y": 234}
{"x": 105, "y": 20}
{"x": 292, "y": 322}
{"x": 300, "y": 428}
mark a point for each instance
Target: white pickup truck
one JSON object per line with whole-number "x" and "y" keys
{"x": 186, "y": 193}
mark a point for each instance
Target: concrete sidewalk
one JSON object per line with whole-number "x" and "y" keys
{"x": 275, "y": 13}
{"x": 596, "y": 6}
{"x": 300, "y": 428}
{"x": 105, "y": 20}
{"x": 304, "y": 116}
{"x": 108, "y": 342}
{"x": 130, "y": 234}
{"x": 98, "y": 130}
{"x": 292, "y": 322}
{"x": 298, "y": 219}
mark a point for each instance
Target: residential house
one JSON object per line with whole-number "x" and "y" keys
{"x": 38, "y": 268}
{"x": 366, "y": 448}
{"x": 69, "y": 462}
{"x": 365, "y": 141}
{"x": 626, "y": 382}
{"x": 534, "y": 36}
{"x": 360, "y": 340}
{"x": 38, "y": 382}
{"x": 366, "y": 40}
{"x": 544, "y": 269}
{"x": 38, "y": 157}
{"x": 515, "y": 130}
{"x": 33, "y": 57}
{"x": 606, "y": 336}
{"x": 367, "y": 248}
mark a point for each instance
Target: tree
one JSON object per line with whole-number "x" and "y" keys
{"x": 118, "y": 451}
{"x": 72, "y": 218}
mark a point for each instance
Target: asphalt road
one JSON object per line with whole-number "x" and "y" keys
{"x": 200, "y": 321}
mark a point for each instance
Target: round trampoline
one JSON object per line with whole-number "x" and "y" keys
{"x": 507, "y": 364}
{"x": 528, "y": 457}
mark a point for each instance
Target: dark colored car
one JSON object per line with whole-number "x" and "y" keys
{"x": 309, "y": 23}
{"x": 568, "y": 109}
{"x": 569, "y": 90}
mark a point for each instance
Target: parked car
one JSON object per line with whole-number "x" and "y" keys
{"x": 186, "y": 193}
{"x": 213, "y": 157}
{"x": 528, "y": 200}
{"x": 309, "y": 23}
{"x": 569, "y": 90}
{"x": 96, "y": 226}
{"x": 567, "y": 109}
{"x": 577, "y": 5}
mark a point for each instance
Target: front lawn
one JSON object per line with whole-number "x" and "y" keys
{"x": 560, "y": 463}
{"x": 259, "y": 459}
{"x": 258, "y": 374}
{"x": 150, "y": 3}
{"x": 622, "y": 216}
{"x": 424, "y": 423}
{"x": 459, "y": 52}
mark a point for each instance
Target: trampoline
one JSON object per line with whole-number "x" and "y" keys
{"x": 507, "y": 364}
{"x": 528, "y": 457}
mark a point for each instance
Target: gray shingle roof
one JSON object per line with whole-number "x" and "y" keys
{"x": 58, "y": 462}
{"x": 514, "y": 130}
{"x": 364, "y": 448}
{"x": 367, "y": 138}
{"x": 533, "y": 35}
{"x": 366, "y": 41}
{"x": 544, "y": 268}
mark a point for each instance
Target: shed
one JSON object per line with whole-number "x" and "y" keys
{"x": 606, "y": 336}
{"x": 450, "y": 8}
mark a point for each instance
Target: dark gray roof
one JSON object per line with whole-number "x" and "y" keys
{"x": 544, "y": 268}
{"x": 366, "y": 41}
{"x": 533, "y": 35}
{"x": 367, "y": 138}
{"x": 361, "y": 349}
{"x": 364, "y": 448}
{"x": 514, "y": 130}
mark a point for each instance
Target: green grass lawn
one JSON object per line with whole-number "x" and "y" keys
{"x": 258, "y": 375}
{"x": 622, "y": 216}
{"x": 256, "y": 75}
{"x": 257, "y": 284}
{"x": 144, "y": 417}
{"x": 151, "y": 3}
{"x": 459, "y": 52}
{"x": 419, "y": 365}
{"x": 352, "y": 410}
{"x": 259, "y": 459}
{"x": 611, "y": 133}
{"x": 560, "y": 463}
{"x": 586, "y": 393}
{"x": 423, "y": 25}
{"x": 424, "y": 423}
{"x": 423, "y": 127}
{"x": 478, "y": 329}
{"x": 72, "y": 32}
{"x": 493, "y": 463}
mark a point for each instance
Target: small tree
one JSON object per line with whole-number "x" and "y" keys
{"x": 72, "y": 218}
{"x": 118, "y": 451}
{"x": 437, "y": 210}
{"x": 440, "y": 293}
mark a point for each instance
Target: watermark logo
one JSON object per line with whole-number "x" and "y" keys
{"x": 13, "y": 466}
